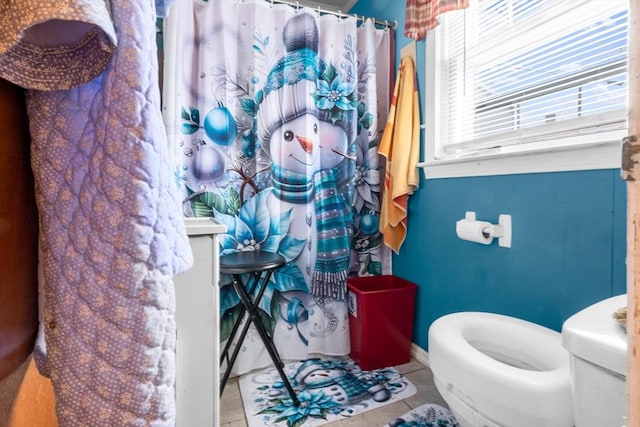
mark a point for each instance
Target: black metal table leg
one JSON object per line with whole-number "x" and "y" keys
{"x": 246, "y": 302}
{"x": 261, "y": 265}
{"x": 255, "y": 278}
{"x": 267, "y": 340}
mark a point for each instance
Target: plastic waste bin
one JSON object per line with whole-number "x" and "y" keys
{"x": 381, "y": 310}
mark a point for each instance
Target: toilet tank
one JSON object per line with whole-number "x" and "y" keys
{"x": 598, "y": 350}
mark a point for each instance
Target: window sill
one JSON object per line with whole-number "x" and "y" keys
{"x": 605, "y": 156}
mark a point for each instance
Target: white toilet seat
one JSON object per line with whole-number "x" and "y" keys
{"x": 511, "y": 372}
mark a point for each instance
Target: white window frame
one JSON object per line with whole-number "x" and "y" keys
{"x": 603, "y": 152}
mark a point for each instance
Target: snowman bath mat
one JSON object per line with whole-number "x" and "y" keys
{"x": 328, "y": 389}
{"x": 427, "y": 415}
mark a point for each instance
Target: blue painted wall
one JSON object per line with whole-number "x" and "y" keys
{"x": 569, "y": 236}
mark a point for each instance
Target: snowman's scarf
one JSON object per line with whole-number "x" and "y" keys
{"x": 332, "y": 263}
{"x": 332, "y": 218}
{"x": 356, "y": 388}
{"x": 292, "y": 187}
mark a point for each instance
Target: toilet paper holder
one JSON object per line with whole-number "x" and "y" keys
{"x": 501, "y": 230}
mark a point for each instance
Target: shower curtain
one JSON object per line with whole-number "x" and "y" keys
{"x": 273, "y": 114}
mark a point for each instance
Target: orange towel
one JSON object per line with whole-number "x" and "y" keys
{"x": 400, "y": 146}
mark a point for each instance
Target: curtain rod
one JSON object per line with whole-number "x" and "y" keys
{"x": 386, "y": 23}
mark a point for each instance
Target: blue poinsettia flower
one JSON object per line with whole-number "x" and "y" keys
{"x": 335, "y": 94}
{"x": 313, "y": 403}
{"x": 367, "y": 175}
{"x": 179, "y": 177}
{"x": 255, "y": 229}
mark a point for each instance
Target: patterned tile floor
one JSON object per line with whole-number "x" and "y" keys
{"x": 232, "y": 413}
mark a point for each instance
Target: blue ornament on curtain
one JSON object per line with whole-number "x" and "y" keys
{"x": 220, "y": 126}
{"x": 209, "y": 164}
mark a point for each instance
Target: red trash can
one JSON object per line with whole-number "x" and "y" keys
{"x": 381, "y": 310}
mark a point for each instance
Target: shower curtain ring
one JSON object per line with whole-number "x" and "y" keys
{"x": 271, "y": 3}
{"x": 297, "y": 6}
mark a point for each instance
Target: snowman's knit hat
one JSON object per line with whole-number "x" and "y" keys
{"x": 291, "y": 83}
{"x": 309, "y": 366}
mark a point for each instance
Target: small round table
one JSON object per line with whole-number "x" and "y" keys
{"x": 260, "y": 266}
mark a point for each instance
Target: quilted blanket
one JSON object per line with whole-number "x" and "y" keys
{"x": 112, "y": 234}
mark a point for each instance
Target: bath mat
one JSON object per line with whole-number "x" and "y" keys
{"x": 427, "y": 415}
{"x": 328, "y": 389}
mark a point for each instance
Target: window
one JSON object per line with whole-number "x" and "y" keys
{"x": 518, "y": 86}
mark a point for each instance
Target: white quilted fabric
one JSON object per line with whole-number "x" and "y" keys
{"x": 54, "y": 44}
{"x": 112, "y": 236}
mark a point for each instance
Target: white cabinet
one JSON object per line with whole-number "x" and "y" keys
{"x": 197, "y": 345}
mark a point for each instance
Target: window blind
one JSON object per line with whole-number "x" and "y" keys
{"x": 521, "y": 73}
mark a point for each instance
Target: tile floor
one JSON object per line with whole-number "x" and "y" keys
{"x": 232, "y": 412}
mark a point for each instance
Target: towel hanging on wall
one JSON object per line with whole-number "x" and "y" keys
{"x": 400, "y": 145}
{"x": 420, "y": 15}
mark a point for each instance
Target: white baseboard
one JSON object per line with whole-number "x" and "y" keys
{"x": 420, "y": 354}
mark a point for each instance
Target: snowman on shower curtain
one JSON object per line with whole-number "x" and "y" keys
{"x": 306, "y": 121}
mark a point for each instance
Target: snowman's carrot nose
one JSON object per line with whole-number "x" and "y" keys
{"x": 305, "y": 143}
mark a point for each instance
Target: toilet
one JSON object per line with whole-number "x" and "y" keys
{"x": 597, "y": 345}
{"x": 499, "y": 371}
